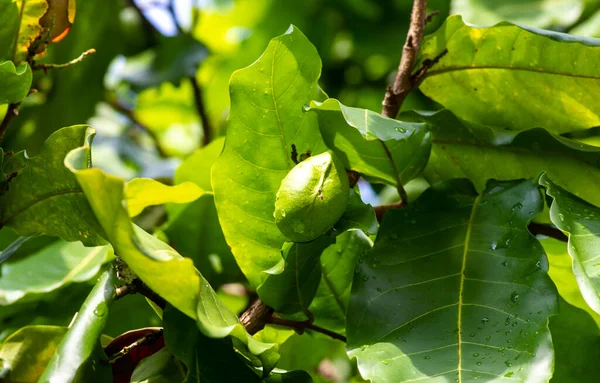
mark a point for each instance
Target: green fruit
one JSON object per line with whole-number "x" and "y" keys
{"x": 312, "y": 198}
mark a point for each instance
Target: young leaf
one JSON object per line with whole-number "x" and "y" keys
{"x": 25, "y": 354}
{"x": 64, "y": 263}
{"x": 265, "y": 123}
{"x": 143, "y": 192}
{"x": 451, "y": 291}
{"x": 479, "y": 153}
{"x": 514, "y": 77}
{"x": 44, "y": 198}
{"x": 379, "y": 148}
{"x": 581, "y": 222}
{"x": 14, "y": 82}
{"x": 338, "y": 263}
{"x": 78, "y": 353}
{"x": 293, "y": 290}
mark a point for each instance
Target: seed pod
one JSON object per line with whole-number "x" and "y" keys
{"x": 312, "y": 198}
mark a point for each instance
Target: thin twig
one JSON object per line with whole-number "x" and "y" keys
{"x": 396, "y": 94}
{"x": 382, "y": 209}
{"x": 149, "y": 338}
{"x": 46, "y": 67}
{"x": 206, "y": 129}
{"x": 300, "y": 326}
{"x": 11, "y": 113}
{"x": 548, "y": 231}
{"x": 430, "y": 16}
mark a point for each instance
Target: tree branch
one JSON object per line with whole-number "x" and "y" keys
{"x": 256, "y": 316}
{"x": 11, "y": 113}
{"x": 300, "y": 326}
{"x": 396, "y": 94}
{"x": 46, "y": 67}
{"x": 206, "y": 129}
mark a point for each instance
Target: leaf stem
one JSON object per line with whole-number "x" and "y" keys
{"x": 11, "y": 113}
{"x": 149, "y": 338}
{"x": 46, "y": 67}
{"x": 300, "y": 326}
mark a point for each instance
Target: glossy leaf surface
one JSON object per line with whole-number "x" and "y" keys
{"x": 379, "y": 148}
{"x": 512, "y": 77}
{"x": 14, "y": 82}
{"x": 266, "y": 118}
{"x": 143, "y": 192}
{"x": 450, "y": 291}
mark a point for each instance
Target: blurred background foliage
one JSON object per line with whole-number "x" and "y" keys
{"x": 159, "y": 82}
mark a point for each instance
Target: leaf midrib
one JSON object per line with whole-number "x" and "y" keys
{"x": 37, "y": 201}
{"x": 510, "y": 68}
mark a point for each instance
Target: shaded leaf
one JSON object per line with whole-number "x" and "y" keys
{"x": 77, "y": 357}
{"x": 44, "y": 197}
{"x": 293, "y": 290}
{"x": 11, "y": 249}
{"x": 161, "y": 367}
{"x": 381, "y": 149}
{"x": 14, "y": 82}
{"x": 25, "y": 354}
{"x": 143, "y": 192}
{"x": 449, "y": 291}
{"x": 581, "y": 222}
{"x": 338, "y": 263}
{"x": 207, "y": 360}
{"x": 9, "y": 19}
{"x": 63, "y": 263}
{"x": 266, "y": 118}
{"x": 479, "y": 153}
{"x": 514, "y": 77}
{"x": 358, "y": 216}
{"x": 533, "y": 13}
{"x": 573, "y": 329}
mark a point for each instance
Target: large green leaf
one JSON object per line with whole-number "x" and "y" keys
{"x": 76, "y": 358}
{"x": 456, "y": 289}
{"x": 9, "y": 19}
{"x": 207, "y": 360}
{"x": 380, "y": 148}
{"x": 576, "y": 341}
{"x": 533, "y": 13}
{"x": 266, "y": 119}
{"x": 44, "y": 197}
{"x": 25, "y": 354}
{"x": 338, "y": 263}
{"x": 514, "y": 77}
{"x": 479, "y": 153}
{"x": 63, "y": 262}
{"x": 293, "y": 290}
{"x": 14, "y": 82}
{"x": 581, "y": 222}
{"x": 160, "y": 267}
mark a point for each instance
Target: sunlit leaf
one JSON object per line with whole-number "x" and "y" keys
{"x": 14, "y": 82}
{"x": 450, "y": 291}
{"x": 30, "y": 30}
{"x": 381, "y": 149}
{"x": 44, "y": 197}
{"x": 143, "y": 192}
{"x": 77, "y": 357}
{"x": 266, "y": 119}
{"x": 513, "y": 77}
{"x": 581, "y": 222}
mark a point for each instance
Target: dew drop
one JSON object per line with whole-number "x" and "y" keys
{"x": 514, "y": 296}
{"x": 472, "y": 334}
{"x": 514, "y": 324}
{"x": 379, "y": 289}
{"x": 401, "y": 130}
{"x": 479, "y": 363}
{"x": 385, "y": 362}
{"x": 100, "y": 310}
{"x": 494, "y": 246}
{"x": 507, "y": 363}
{"x": 476, "y": 354}
{"x": 365, "y": 278}
{"x": 427, "y": 357}
{"x": 484, "y": 320}
{"x": 509, "y": 374}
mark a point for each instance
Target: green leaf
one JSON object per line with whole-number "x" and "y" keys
{"x": 160, "y": 267}
{"x": 297, "y": 376}
{"x": 160, "y": 367}
{"x": 14, "y": 82}
{"x": 196, "y": 168}
{"x": 576, "y": 341}
{"x": 451, "y": 291}
{"x": 358, "y": 216}
{"x": 44, "y": 197}
{"x": 337, "y": 272}
{"x": 514, "y": 77}
{"x": 266, "y": 119}
{"x": 207, "y": 360}
{"x": 581, "y": 222}
{"x": 26, "y": 353}
{"x": 143, "y": 192}
{"x": 12, "y": 249}
{"x": 9, "y": 19}
{"x": 63, "y": 263}
{"x": 293, "y": 290}
{"x": 29, "y": 30}
{"x": 588, "y": 28}
{"x": 533, "y": 13}
{"x": 479, "y": 153}
{"x": 379, "y": 148}
{"x": 77, "y": 357}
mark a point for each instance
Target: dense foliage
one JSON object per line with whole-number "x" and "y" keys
{"x": 207, "y": 191}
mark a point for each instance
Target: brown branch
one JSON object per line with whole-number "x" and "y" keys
{"x": 396, "y": 94}
{"x": 430, "y": 16}
{"x": 548, "y": 231}
{"x": 46, "y": 67}
{"x": 11, "y": 113}
{"x": 300, "y": 326}
{"x": 198, "y": 102}
{"x": 256, "y": 316}
{"x": 381, "y": 210}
